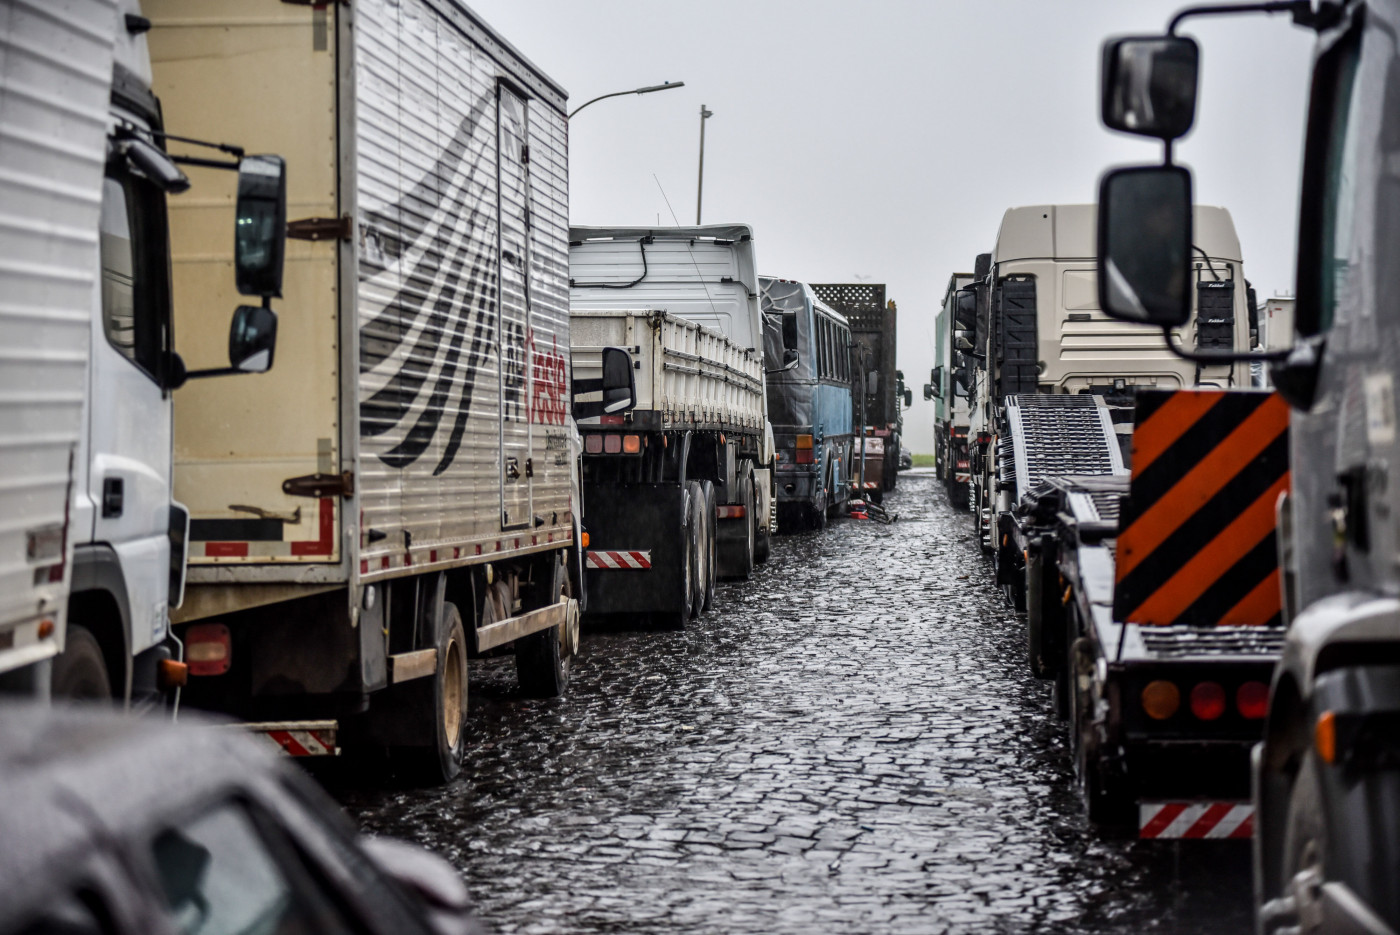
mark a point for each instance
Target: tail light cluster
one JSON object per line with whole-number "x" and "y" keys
{"x": 1206, "y": 701}
{"x": 804, "y": 450}
{"x": 611, "y": 443}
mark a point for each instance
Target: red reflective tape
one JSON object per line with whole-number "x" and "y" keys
{"x": 1209, "y": 819}
{"x": 324, "y": 544}
{"x": 364, "y": 566}
{"x": 287, "y": 742}
{"x": 1245, "y": 829}
{"x": 640, "y": 559}
{"x": 226, "y": 549}
{"x": 1166, "y": 814}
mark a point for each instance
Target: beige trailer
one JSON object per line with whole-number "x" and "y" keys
{"x": 408, "y": 462}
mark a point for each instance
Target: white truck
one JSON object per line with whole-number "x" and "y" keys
{"x": 397, "y": 493}
{"x": 678, "y": 491}
{"x": 91, "y": 364}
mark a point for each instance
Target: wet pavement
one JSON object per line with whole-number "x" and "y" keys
{"x": 848, "y": 742}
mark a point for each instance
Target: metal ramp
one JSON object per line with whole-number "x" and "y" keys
{"x": 1057, "y": 436}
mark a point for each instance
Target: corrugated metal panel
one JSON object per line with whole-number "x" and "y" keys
{"x": 463, "y": 316}
{"x": 55, "y": 81}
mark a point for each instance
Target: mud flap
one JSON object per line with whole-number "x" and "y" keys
{"x": 636, "y": 518}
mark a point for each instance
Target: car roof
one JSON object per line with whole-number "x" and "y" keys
{"x": 76, "y": 778}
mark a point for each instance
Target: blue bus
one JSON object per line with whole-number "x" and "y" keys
{"x": 806, "y": 351}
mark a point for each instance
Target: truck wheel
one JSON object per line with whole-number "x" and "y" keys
{"x": 685, "y": 599}
{"x": 542, "y": 660}
{"x": 80, "y": 672}
{"x": 442, "y": 761}
{"x": 700, "y": 550}
{"x": 710, "y": 552}
{"x": 741, "y": 565}
{"x": 1042, "y": 664}
{"x": 1305, "y": 831}
{"x": 762, "y": 544}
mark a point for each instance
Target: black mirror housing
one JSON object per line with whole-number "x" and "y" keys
{"x": 1144, "y": 245}
{"x": 260, "y": 226}
{"x": 614, "y": 392}
{"x": 965, "y": 310}
{"x": 252, "y": 339}
{"x": 1148, "y": 85}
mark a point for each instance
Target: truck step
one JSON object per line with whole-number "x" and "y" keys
{"x": 1164, "y": 821}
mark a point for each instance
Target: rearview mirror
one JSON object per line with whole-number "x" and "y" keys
{"x": 615, "y": 391}
{"x": 908, "y": 398}
{"x": 928, "y": 391}
{"x": 260, "y": 226}
{"x": 789, "y": 332}
{"x": 1144, "y": 245}
{"x": 1148, "y": 85}
{"x": 965, "y": 310}
{"x": 252, "y": 339}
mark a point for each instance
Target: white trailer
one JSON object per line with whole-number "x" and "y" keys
{"x": 397, "y": 492}
{"x": 678, "y": 491}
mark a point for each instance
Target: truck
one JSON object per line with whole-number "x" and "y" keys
{"x": 806, "y": 347}
{"x": 677, "y": 491}
{"x": 90, "y": 161}
{"x": 398, "y": 493}
{"x": 1039, "y": 332}
{"x": 947, "y": 388}
{"x": 878, "y": 396}
{"x": 1326, "y": 787}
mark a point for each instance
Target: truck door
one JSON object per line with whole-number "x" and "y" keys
{"x": 513, "y": 304}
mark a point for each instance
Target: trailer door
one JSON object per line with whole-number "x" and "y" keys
{"x": 513, "y": 304}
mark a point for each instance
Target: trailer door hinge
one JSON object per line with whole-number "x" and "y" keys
{"x": 341, "y": 228}
{"x": 524, "y": 155}
{"x": 320, "y": 485}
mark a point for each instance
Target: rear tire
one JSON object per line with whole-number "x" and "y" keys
{"x": 685, "y": 597}
{"x": 80, "y": 671}
{"x": 442, "y": 762}
{"x": 1105, "y": 799}
{"x": 702, "y": 549}
{"x": 743, "y": 551}
{"x": 711, "y": 550}
{"x": 542, "y": 660}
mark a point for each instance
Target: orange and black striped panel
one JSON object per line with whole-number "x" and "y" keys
{"x": 1197, "y": 543}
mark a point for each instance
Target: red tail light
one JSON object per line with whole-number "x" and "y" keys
{"x": 612, "y": 444}
{"x": 1207, "y": 701}
{"x": 208, "y": 649}
{"x": 1252, "y": 699}
{"x": 804, "y": 456}
{"x": 593, "y": 443}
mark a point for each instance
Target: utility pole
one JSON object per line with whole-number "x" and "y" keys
{"x": 700, "y": 185}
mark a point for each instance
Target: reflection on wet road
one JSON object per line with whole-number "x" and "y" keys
{"x": 848, "y": 742}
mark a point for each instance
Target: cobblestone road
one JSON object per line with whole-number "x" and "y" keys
{"x": 849, "y": 742}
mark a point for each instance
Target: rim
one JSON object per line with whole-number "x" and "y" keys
{"x": 452, "y": 694}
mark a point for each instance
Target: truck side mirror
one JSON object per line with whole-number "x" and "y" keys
{"x": 252, "y": 339}
{"x": 789, "y": 334}
{"x": 965, "y": 310}
{"x": 928, "y": 391}
{"x": 1148, "y": 85}
{"x": 1144, "y": 245}
{"x": 908, "y": 398}
{"x": 260, "y": 226}
{"x": 613, "y": 392}
{"x": 790, "y": 358}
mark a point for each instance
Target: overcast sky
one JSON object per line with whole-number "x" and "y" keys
{"x": 885, "y": 139}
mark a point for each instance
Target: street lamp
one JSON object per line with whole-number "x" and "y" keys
{"x": 647, "y": 90}
{"x": 700, "y": 185}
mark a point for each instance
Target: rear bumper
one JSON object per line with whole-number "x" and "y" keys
{"x": 1195, "y": 820}
{"x": 299, "y": 738}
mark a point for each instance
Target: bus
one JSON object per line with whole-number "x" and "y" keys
{"x": 806, "y": 351}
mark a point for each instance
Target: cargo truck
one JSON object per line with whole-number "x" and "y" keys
{"x": 1327, "y": 774}
{"x": 878, "y": 396}
{"x": 397, "y": 494}
{"x": 947, "y": 388}
{"x": 678, "y": 491}
{"x": 89, "y": 162}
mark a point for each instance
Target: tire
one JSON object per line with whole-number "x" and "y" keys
{"x": 685, "y": 597}
{"x": 745, "y": 552}
{"x": 711, "y": 550}
{"x": 703, "y": 549}
{"x": 80, "y": 672}
{"x": 442, "y": 761}
{"x": 543, "y": 659}
{"x": 762, "y": 543}
{"x": 1039, "y": 616}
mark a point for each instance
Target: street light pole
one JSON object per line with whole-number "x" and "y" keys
{"x": 700, "y": 185}
{"x": 647, "y": 90}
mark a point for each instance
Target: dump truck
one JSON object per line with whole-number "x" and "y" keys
{"x": 91, "y": 169}
{"x": 947, "y": 388}
{"x": 678, "y": 491}
{"x": 398, "y": 492}
{"x": 878, "y": 396}
{"x": 1325, "y": 778}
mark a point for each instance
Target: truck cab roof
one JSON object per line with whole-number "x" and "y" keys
{"x": 1068, "y": 232}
